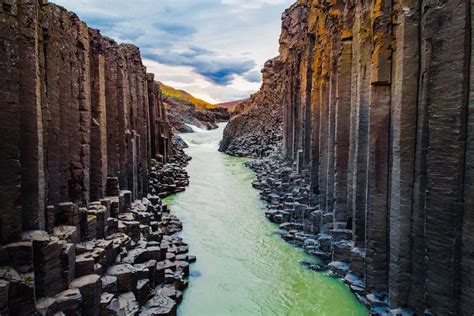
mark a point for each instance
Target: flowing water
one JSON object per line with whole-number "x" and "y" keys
{"x": 244, "y": 267}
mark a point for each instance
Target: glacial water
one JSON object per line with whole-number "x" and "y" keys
{"x": 243, "y": 267}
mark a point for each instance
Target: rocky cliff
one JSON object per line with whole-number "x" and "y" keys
{"x": 377, "y": 124}
{"x": 86, "y": 153}
{"x": 182, "y": 114}
{"x": 184, "y": 109}
{"x": 256, "y": 128}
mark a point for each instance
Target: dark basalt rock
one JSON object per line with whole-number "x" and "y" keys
{"x": 126, "y": 276}
{"x": 90, "y": 287}
{"x": 182, "y": 114}
{"x": 255, "y": 129}
{"x": 69, "y": 302}
{"x": 160, "y": 306}
{"x": 85, "y": 158}
{"x": 373, "y": 99}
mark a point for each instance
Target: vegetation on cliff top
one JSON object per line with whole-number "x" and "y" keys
{"x": 182, "y": 95}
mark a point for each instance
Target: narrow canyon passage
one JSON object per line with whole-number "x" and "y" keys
{"x": 244, "y": 267}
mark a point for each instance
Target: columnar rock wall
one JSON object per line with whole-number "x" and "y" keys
{"x": 375, "y": 99}
{"x": 378, "y": 110}
{"x": 76, "y": 108}
{"x": 86, "y": 154}
{"x": 257, "y": 129}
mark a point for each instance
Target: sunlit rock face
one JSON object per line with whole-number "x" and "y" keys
{"x": 375, "y": 99}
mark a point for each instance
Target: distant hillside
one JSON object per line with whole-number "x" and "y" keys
{"x": 182, "y": 95}
{"x": 229, "y": 105}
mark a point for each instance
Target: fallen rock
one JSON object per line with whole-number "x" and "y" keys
{"x": 69, "y": 302}
{"x": 160, "y": 306}
{"x": 90, "y": 287}
{"x": 126, "y": 277}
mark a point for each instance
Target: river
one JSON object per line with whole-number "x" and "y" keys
{"x": 243, "y": 267}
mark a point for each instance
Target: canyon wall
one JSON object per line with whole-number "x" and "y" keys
{"x": 86, "y": 155}
{"x": 377, "y": 109}
{"x": 182, "y": 114}
{"x": 257, "y": 129}
{"x": 77, "y": 108}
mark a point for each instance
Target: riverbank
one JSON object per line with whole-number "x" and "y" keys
{"x": 244, "y": 267}
{"x": 118, "y": 256}
{"x": 291, "y": 206}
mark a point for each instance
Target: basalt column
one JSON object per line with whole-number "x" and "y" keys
{"x": 99, "y": 168}
{"x": 82, "y": 159}
{"x": 51, "y": 56}
{"x": 467, "y": 256}
{"x": 333, "y": 58}
{"x": 444, "y": 92}
{"x": 31, "y": 150}
{"x": 379, "y": 143}
{"x": 405, "y": 75}
{"x": 359, "y": 137}
{"x": 113, "y": 108}
{"x": 153, "y": 97}
{"x": 10, "y": 129}
{"x": 293, "y": 40}
{"x": 341, "y": 149}
{"x": 160, "y": 138}
{"x": 307, "y": 99}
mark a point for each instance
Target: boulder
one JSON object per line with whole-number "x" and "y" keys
{"x": 160, "y": 306}
{"x": 46, "y": 306}
{"x": 126, "y": 277}
{"x": 109, "y": 284}
{"x": 128, "y": 303}
{"x": 90, "y": 287}
{"x": 69, "y": 302}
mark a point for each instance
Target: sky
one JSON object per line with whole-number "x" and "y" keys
{"x": 214, "y": 49}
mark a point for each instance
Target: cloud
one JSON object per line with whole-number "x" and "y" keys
{"x": 253, "y": 76}
{"x": 175, "y": 28}
{"x": 184, "y": 78}
{"x": 219, "y": 70}
{"x": 251, "y": 4}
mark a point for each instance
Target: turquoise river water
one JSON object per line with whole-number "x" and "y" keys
{"x": 243, "y": 267}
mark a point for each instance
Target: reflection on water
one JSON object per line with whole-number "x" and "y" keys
{"x": 243, "y": 267}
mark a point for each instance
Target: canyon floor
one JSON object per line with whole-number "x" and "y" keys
{"x": 244, "y": 267}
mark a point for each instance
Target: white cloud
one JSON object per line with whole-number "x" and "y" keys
{"x": 251, "y": 4}
{"x": 233, "y": 45}
{"x": 184, "y": 78}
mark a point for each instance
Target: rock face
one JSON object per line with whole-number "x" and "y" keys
{"x": 181, "y": 114}
{"x": 86, "y": 156}
{"x": 79, "y": 108}
{"x": 378, "y": 139}
{"x": 256, "y": 130}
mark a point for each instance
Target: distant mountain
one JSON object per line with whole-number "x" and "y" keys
{"x": 184, "y": 96}
{"x": 230, "y": 105}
